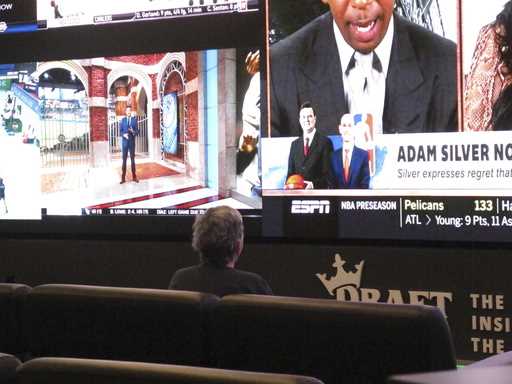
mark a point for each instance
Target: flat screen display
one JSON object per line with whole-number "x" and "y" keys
{"x": 62, "y": 13}
{"x": 133, "y": 128}
{"x": 388, "y": 120}
{"x": 33, "y": 15}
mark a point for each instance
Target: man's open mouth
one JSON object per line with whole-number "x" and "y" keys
{"x": 365, "y": 31}
{"x": 365, "y": 28}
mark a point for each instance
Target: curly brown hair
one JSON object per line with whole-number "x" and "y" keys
{"x": 216, "y": 234}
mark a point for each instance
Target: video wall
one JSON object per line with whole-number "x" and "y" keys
{"x": 395, "y": 119}
{"x": 32, "y": 15}
{"x": 110, "y": 131}
{"x": 386, "y": 120}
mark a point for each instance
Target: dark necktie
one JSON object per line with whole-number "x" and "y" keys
{"x": 376, "y": 64}
{"x": 306, "y": 146}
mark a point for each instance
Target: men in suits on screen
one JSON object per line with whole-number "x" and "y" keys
{"x": 350, "y": 165}
{"x": 362, "y": 58}
{"x": 310, "y": 153}
{"x": 128, "y": 130}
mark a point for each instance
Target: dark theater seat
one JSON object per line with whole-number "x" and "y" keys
{"x": 118, "y": 323}
{"x": 11, "y": 300}
{"x": 8, "y": 365}
{"x": 81, "y": 371}
{"x": 336, "y": 342}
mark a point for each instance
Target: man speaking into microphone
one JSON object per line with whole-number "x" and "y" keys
{"x": 128, "y": 130}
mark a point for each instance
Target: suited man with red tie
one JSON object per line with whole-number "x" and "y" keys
{"x": 350, "y": 166}
{"x": 310, "y": 153}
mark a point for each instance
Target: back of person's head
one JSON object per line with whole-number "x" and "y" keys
{"x": 218, "y": 235}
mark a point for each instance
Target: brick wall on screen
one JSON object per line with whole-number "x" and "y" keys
{"x": 150, "y": 59}
{"x": 98, "y": 115}
{"x": 98, "y": 81}
{"x": 156, "y": 123}
{"x": 193, "y": 123}
{"x": 192, "y": 65}
{"x": 192, "y": 98}
{"x": 98, "y": 118}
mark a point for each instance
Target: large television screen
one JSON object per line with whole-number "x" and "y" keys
{"x": 64, "y": 13}
{"x": 338, "y": 120}
{"x": 136, "y": 129}
{"x": 33, "y": 15}
{"x": 388, "y": 120}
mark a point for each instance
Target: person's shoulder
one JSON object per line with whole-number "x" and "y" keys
{"x": 323, "y": 139}
{"x": 361, "y": 151}
{"x": 249, "y": 276}
{"x": 184, "y": 277}
{"x": 256, "y": 283}
{"x": 425, "y": 40}
{"x": 302, "y": 40}
{"x": 246, "y": 274}
{"x": 186, "y": 271}
{"x": 297, "y": 141}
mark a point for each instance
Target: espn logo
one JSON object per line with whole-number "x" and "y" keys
{"x": 308, "y": 207}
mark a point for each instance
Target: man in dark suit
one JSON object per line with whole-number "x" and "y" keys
{"x": 417, "y": 67}
{"x": 350, "y": 166}
{"x": 128, "y": 130}
{"x": 310, "y": 153}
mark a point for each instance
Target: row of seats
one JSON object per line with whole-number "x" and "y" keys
{"x": 67, "y": 370}
{"x": 336, "y": 342}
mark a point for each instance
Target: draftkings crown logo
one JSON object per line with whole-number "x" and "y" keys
{"x": 343, "y": 279}
{"x": 346, "y": 286}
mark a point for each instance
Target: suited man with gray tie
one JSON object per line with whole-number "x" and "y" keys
{"x": 362, "y": 58}
{"x": 310, "y": 153}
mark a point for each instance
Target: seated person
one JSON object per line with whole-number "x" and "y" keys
{"x": 218, "y": 236}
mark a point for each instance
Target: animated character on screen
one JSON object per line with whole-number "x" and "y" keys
{"x": 488, "y": 88}
{"x": 363, "y": 57}
{"x": 247, "y": 159}
{"x": 128, "y": 130}
{"x": 310, "y": 153}
{"x": 350, "y": 165}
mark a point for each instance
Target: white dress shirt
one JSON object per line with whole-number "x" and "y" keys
{"x": 365, "y": 87}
